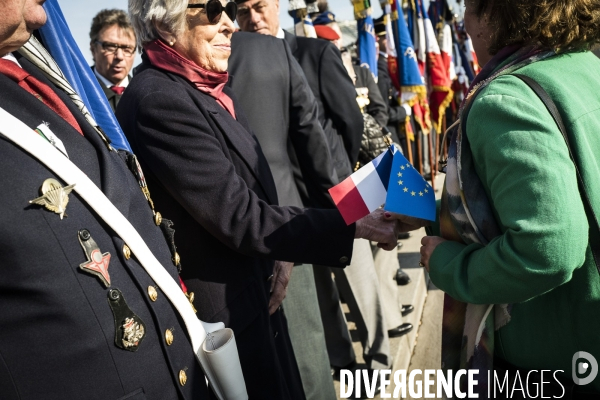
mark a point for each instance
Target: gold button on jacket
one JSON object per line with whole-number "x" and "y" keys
{"x": 182, "y": 377}
{"x": 169, "y": 337}
{"x": 152, "y": 293}
{"x": 126, "y": 252}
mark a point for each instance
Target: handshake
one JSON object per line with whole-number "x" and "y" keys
{"x": 383, "y": 227}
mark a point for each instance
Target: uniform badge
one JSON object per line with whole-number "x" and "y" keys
{"x": 129, "y": 328}
{"x": 97, "y": 263}
{"x": 54, "y": 197}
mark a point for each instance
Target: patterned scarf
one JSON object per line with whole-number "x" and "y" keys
{"x": 466, "y": 216}
{"x": 35, "y": 53}
{"x": 211, "y": 83}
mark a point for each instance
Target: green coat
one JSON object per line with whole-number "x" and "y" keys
{"x": 542, "y": 261}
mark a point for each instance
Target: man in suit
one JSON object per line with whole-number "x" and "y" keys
{"x": 112, "y": 43}
{"x": 63, "y": 332}
{"x": 282, "y": 113}
{"x": 342, "y": 122}
{"x": 339, "y": 113}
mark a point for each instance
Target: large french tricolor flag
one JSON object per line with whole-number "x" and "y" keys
{"x": 365, "y": 190}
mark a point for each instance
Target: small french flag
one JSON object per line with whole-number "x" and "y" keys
{"x": 365, "y": 190}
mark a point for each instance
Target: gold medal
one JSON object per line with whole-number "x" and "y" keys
{"x": 54, "y": 197}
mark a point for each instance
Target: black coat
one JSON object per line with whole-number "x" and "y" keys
{"x": 209, "y": 175}
{"x": 339, "y": 113}
{"x": 57, "y": 332}
{"x": 283, "y": 114}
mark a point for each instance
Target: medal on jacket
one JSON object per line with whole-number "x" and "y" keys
{"x": 97, "y": 263}
{"x": 54, "y": 197}
{"x": 129, "y": 328}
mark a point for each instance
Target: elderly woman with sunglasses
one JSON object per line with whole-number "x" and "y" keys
{"x": 207, "y": 173}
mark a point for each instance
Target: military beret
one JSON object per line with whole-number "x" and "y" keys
{"x": 326, "y": 32}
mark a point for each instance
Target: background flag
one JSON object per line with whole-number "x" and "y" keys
{"x": 402, "y": 59}
{"x": 59, "y": 42}
{"x": 407, "y": 192}
{"x": 367, "y": 52}
{"x": 438, "y": 69}
{"x": 299, "y": 10}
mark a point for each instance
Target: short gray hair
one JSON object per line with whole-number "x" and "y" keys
{"x": 144, "y": 13}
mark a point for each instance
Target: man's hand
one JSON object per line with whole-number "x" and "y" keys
{"x": 377, "y": 227}
{"x": 282, "y": 271}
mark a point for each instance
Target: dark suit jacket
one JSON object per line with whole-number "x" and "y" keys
{"x": 283, "y": 114}
{"x": 339, "y": 113}
{"x": 396, "y": 113}
{"x": 209, "y": 175}
{"x": 113, "y": 98}
{"x": 57, "y": 335}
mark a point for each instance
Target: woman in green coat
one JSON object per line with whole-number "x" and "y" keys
{"x": 512, "y": 251}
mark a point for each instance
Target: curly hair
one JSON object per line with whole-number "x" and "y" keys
{"x": 555, "y": 24}
{"x": 106, "y": 18}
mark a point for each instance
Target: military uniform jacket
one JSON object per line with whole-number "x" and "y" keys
{"x": 57, "y": 331}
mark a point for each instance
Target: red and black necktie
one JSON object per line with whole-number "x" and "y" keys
{"x": 118, "y": 89}
{"x": 39, "y": 89}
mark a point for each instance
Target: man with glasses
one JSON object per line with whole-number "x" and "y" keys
{"x": 113, "y": 43}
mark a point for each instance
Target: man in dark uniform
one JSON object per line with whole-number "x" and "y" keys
{"x": 79, "y": 316}
{"x": 112, "y": 43}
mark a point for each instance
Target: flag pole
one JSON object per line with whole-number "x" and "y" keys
{"x": 432, "y": 163}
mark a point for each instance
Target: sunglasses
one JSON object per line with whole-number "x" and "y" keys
{"x": 214, "y": 9}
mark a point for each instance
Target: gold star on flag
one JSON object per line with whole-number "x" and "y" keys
{"x": 426, "y": 191}
{"x": 420, "y": 193}
{"x": 399, "y": 174}
{"x": 400, "y": 182}
{"x": 406, "y": 189}
{"x": 412, "y": 193}
{"x": 402, "y": 167}
{"x": 408, "y": 164}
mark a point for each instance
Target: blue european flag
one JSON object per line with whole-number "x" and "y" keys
{"x": 408, "y": 193}
{"x": 59, "y": 42}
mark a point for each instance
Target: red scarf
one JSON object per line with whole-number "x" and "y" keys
{"x": 211, "y": 83}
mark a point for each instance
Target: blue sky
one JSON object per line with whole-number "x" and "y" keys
{"x": 79, "y": 14}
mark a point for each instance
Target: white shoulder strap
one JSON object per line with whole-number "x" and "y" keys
{"x": 19, "y": 133}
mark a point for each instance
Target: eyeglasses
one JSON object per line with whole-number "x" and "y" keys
{"x": 111, "y": 48}
{"x": 214, "y": 9}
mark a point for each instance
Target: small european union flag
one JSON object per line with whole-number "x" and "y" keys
{"x": 408, "y": 193}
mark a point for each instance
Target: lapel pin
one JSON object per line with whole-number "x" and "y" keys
{"x": 97, "y": 263}
{"x": 54, "y": 197}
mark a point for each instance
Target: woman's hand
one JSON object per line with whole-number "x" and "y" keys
{"x": 282, "y": 272}
{"x": 406, "y": 223}
{"x": 428, "y": 245}
{"x": 378, "y": 228}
